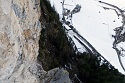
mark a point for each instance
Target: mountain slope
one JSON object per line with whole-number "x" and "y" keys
{"x": 57, "y": 49}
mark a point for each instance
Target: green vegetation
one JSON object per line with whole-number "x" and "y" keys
{"x": 57, "y": 50}
{"x": 90, "y": 71}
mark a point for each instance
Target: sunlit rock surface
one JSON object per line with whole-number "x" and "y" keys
{"x": 19, "y": 37}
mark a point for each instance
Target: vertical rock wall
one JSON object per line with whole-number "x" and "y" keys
{"x": 19, "y": 36}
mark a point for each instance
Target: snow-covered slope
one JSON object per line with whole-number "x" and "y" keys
{"x": 96, "y": 25}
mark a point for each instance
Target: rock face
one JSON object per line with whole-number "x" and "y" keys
{"x": 56, "y": 75}
{"x": 19, "y": 37}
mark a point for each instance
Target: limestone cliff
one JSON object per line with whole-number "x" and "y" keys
{"x": 19, "y": 37}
